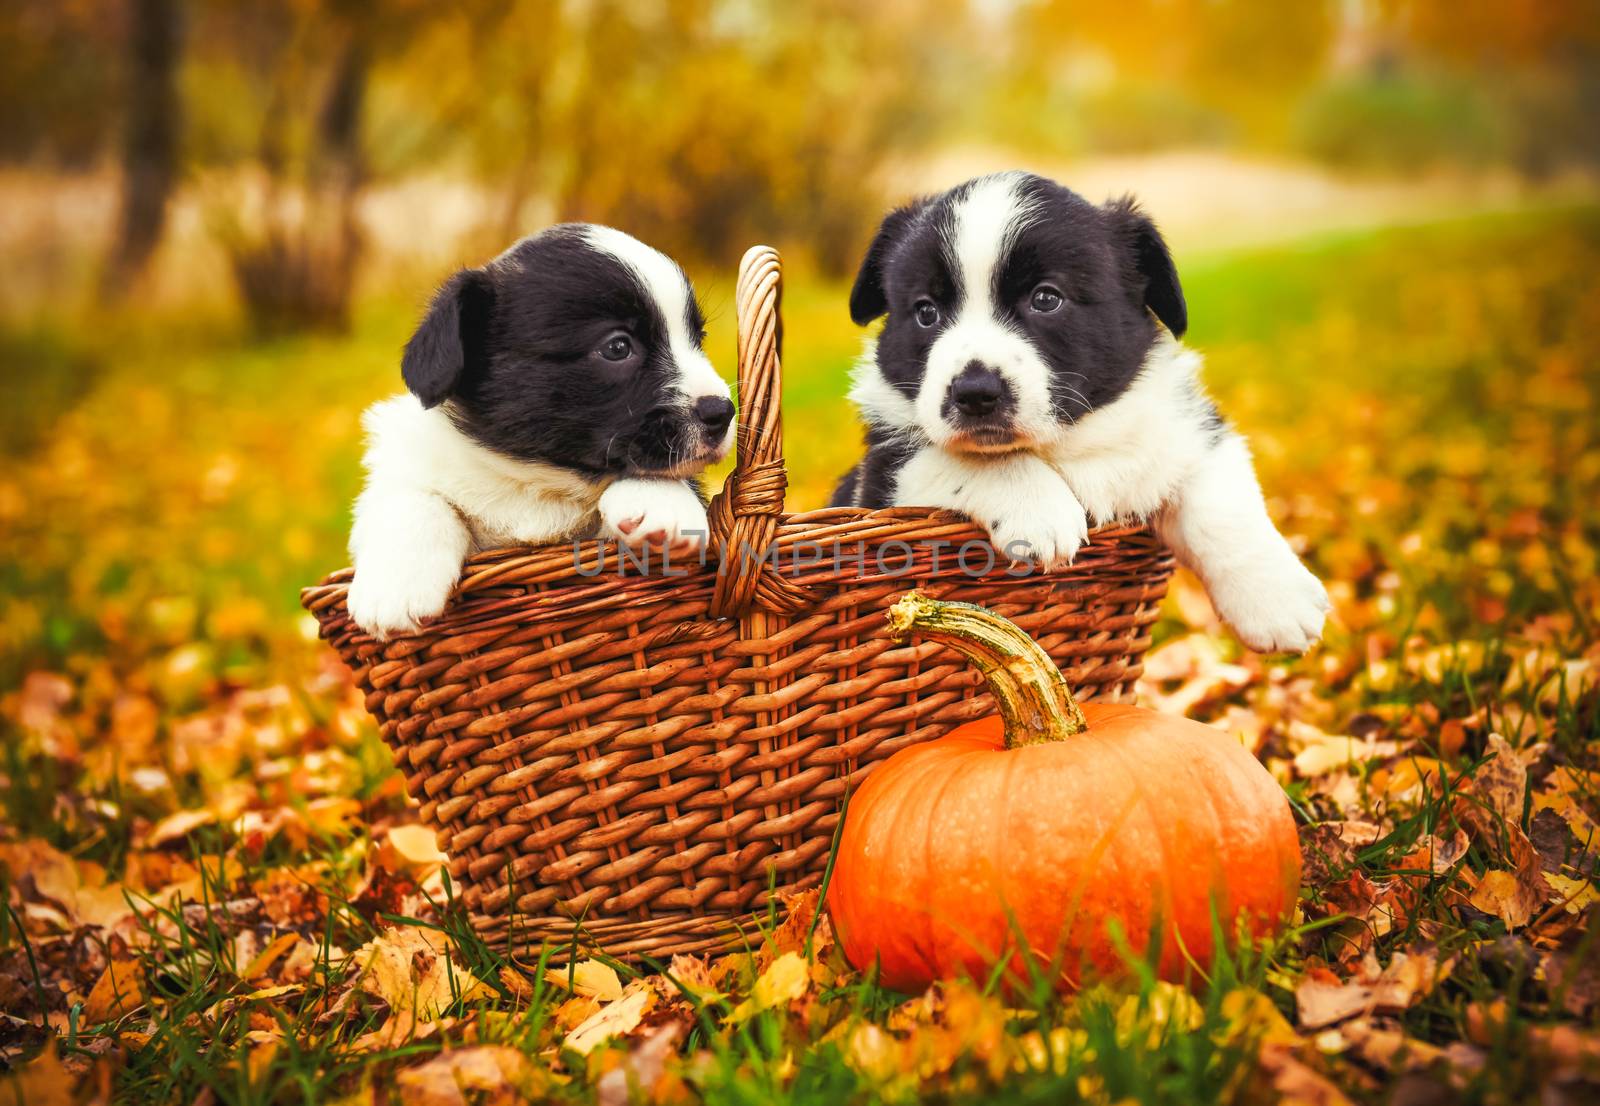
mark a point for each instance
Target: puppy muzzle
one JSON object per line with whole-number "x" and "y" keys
{"x": 980, "y": 408}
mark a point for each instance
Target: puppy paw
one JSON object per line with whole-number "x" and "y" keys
{"x": 1047, "y": 532}
{"x": 654, "y": 514}
{"x": 396, "y": 596}
{"x": 1278, "y": 608}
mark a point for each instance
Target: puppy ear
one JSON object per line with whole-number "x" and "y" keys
{"x": 449, "y": 339}
{"x": 1154, "y": 271}
{"x": 868, "y": 299}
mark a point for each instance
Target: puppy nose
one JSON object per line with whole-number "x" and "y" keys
{"x": 977, "y": 390}
{"x": 714, "y": 413}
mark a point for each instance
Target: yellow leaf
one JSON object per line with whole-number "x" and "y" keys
{"x": 263, "y": 960}
{"x": 416, "y": 845}
{"x": 1500, "y": 894}
{"x": 873, "y": 1052}
{"x": 332, "y": 814}
{"x": 616, "y": 1019}
{"x": 1167, "y": 1005}
{"x": 784, "y": 981}
{"x": 1320, "y": 753}
{"x": 1575, "y": 894}
{"x": 177, "y": 826}
{"x": 410, "y": 968}
{"x": 41, "y": 1082}
{"x": 115, "y": 993}
{"x": 1249, "y": 1012}
{"x": 590, "y": 978}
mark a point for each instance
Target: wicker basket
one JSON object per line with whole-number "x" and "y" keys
{"x": 633, "y": 762}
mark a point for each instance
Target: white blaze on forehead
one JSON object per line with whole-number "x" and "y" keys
{"x": 669, "y": 288}
{"x": 983, "y": 224}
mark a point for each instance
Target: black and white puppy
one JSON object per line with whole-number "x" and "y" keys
{"x": 559, "y": 391}
{"x": 1024, "y": 377}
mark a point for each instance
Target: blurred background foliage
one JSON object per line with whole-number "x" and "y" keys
{"x": 708, "y": 124}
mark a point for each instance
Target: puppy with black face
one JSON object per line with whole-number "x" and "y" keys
{"x": 559, "y": 391}
{"x": 1029, "y": 375}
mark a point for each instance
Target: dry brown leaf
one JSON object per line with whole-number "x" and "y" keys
{"x": 799, "y": 914}
{"x": 1388, "y": 1049}
{"x": 79, "y": 888}
{"x": 1295, "y": 1083}
{"x": 1556, "y": 844}
{"x": 1354, "y": 895}
{"x": 1514, "y": 896}
{"x": 1330, "y": 847}
{"x": 1501, "y": 781}
{"x": 616, "y": 1019}
{"x": 1195, "y": 665}
{"x": 517, "y": 983}
{"x": 643, "y": 1071}
{"x": 1323, "y": 999}
{"x": 1569, "y": 792}
{"x": 1436, "y": 854}
{"x": 486, "y": 1075}
{"x": 44, "y": 1081}
{"x": 693, "y": 974}
{"x": 1573, "y": 980}
{"x": 1504, "y": 896}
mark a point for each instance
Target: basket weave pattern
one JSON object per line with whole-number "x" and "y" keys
{"x": 635, "y": 760}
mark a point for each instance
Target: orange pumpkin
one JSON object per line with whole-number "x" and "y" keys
{"x": 1026, "y": 834}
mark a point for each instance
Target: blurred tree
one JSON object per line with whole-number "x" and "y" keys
{"x": 704, "y": 125}
{"x": 151, "y": 128}
{"x": 1537, "y": 63}
{"x": 701, "y": 125}
{"x": 1159, "y": 73}
{"x": 57, "y": 80}
{"x": 294, "y": 257}
{"x": 302, "y": 72}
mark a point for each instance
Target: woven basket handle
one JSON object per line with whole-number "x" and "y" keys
{"x": 745, "y": 514}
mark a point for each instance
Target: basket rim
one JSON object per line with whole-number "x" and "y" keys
{"x": 488, "y": 568}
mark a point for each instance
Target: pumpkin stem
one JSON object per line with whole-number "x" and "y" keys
{"x": 1032, "y": 696}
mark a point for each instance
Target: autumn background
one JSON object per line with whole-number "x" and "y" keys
{"x": 219, "y": 222}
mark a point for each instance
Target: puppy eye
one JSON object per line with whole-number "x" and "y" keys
{"x": 927, "y": 313}
{"x": 1045, "y": 299}
{"x": 617, "y": 348}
